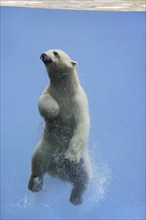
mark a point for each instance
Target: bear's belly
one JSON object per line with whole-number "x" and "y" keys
{"x": 60, "y": 131}
{"x": 66, "y": 170}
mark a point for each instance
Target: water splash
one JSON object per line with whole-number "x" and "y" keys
{"x": 102, "y": 176}
{"x": 26, "y": 201}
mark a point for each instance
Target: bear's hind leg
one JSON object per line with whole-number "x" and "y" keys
{"x": 76, "y": 194}
{"x": 35, "y": 183}
{"x": 80, "y": 178}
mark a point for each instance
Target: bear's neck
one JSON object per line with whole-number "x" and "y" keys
{"x": 68, "y": 81}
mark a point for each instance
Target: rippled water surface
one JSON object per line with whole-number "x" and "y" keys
{"x": 114, "y": 5}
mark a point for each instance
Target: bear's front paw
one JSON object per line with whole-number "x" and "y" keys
{"x": 35, "y": 184}
{"x": 48, "y": 107}
{"x": 73, "y": 155}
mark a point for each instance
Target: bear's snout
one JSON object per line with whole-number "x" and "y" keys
{"x": 45, "y": 58}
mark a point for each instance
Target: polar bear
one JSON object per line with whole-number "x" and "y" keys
{"x": 62, "y": 151}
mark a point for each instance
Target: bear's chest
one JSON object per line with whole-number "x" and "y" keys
{"x": 64, "y": 99}
{"x": 62, "y": 127}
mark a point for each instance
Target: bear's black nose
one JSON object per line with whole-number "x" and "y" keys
{"x": 45, "y": 58}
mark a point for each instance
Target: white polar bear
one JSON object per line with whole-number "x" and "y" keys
{"x": 62, "y": 151}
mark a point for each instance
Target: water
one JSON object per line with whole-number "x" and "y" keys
{"x": 114, "y": 81}
{"x": 114, "y": 5}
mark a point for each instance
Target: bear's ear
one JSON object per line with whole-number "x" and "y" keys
{"x": 73, "y": 62}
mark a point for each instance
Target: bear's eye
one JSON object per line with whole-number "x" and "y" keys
{"x": 55, "y": 53}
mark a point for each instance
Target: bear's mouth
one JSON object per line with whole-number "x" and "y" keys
{"x": 45, "y": 58}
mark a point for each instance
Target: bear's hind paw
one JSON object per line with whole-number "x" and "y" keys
{"x": 75, "y": 200}
{"x": 35, "y": 184}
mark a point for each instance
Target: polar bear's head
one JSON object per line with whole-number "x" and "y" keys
{"x": 57, "y": 62}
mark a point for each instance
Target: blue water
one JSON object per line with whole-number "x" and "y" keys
{"x": 109, "y": 49}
